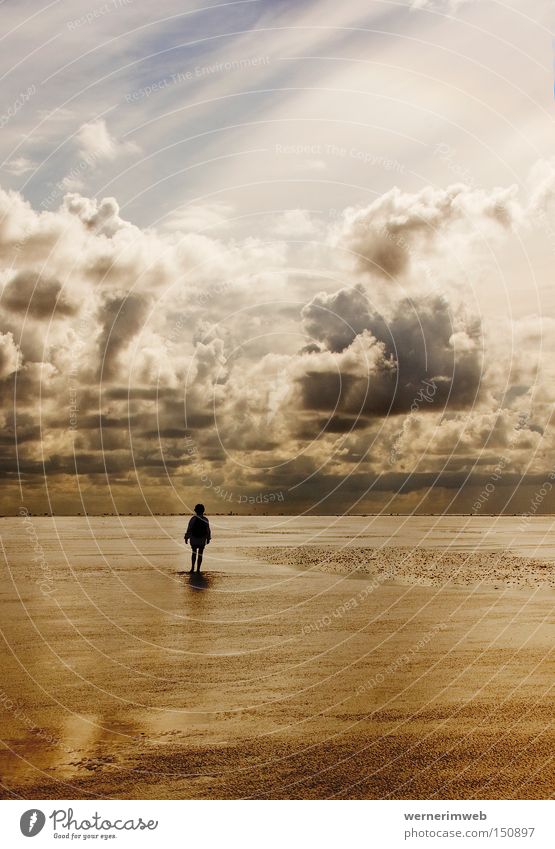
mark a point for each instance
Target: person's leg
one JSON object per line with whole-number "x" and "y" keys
{"x": 199, "y": 561}
{"x": 193, "y": 558}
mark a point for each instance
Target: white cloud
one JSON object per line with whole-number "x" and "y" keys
{"x": 199, "y": 217}
{"x": 447, "y": 5}
{"x": 20, "y": 165}
{"x": 296, "y": 224}
{"x": 400, "y": 226}
{"x": 101, "y": 217}
{"x": 10, "y": 355}
{"x": 97, "y": 143}
{"x": 542, "y": 186}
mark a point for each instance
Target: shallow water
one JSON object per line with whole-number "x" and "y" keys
{"x": 132, "y": 543}
{"x": 532, "y": 537}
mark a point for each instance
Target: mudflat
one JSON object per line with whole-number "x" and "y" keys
{"x": 314, "y": 658}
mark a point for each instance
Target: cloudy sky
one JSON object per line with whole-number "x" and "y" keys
{"x": 277, "y": 256}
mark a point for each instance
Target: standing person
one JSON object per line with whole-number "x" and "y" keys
{"x": 198, "y": 531}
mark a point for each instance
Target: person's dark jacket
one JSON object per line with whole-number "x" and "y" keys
{"x": 199, "y": 527}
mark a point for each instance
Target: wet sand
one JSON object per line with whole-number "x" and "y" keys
{"x": 284, "y": 674}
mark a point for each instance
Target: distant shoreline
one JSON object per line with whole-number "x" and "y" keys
{"x": 293, "y": 515}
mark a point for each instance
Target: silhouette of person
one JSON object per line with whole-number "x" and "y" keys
{"x": 198, "y": 532}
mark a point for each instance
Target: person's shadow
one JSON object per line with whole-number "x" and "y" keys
{"x": 199, "y": 581}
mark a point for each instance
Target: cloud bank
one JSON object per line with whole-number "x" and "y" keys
{"x": 148, "y": 363}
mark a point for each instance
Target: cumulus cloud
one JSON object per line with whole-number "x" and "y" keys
{"x": 10, "y": 358}
{"x": 102, "y": 217}
{"x": 335, "y": 319}
{"x": 194, "y": 334}
{"x": 345, "y": 386}
{"x": 420, "y": 340}
{"x": 17, "y": 220}
{"x": 384, "y": 235}
{"x": 542, "y": 186}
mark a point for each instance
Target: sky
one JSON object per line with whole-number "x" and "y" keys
{"x": 277, "y": 257}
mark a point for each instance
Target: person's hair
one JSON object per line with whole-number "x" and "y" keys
{"x": 199, "y": 508}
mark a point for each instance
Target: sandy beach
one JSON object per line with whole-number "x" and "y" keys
{"x": 318, "y": 658}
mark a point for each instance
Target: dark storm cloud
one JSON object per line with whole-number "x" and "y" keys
{"x": 20, "y": 468}
{"x": 29, "y": 390}
{"x": 307, "y": 429}
{"x": 320, "y": 488}
{"x": 90, "y": 464}
{"x": 121, "y": 317}
{"x": 22, "y": 426}
{"x": 425, "y": 359}
{"x": 336, "y": 319}
{"x": 31, "y": 294}
{"x": 139, "y": 393}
